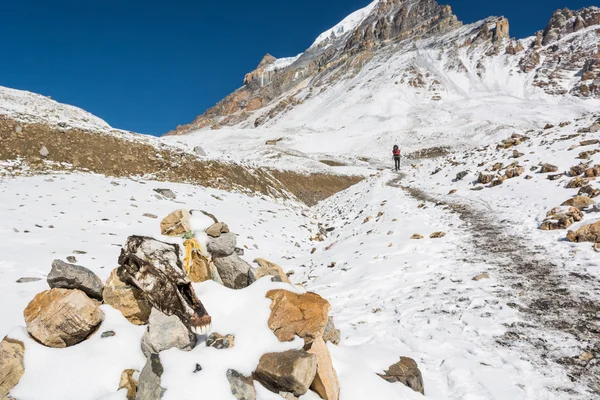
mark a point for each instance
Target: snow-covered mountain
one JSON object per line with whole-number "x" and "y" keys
{"x": 28, "y": 107}
{"x": 391, "y": 60}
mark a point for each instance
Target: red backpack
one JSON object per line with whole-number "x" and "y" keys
{"x": 396, "y": 151}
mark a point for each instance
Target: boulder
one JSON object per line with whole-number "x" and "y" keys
{"x": 62, "y": 317}
{"x": 514, "y": 172}
{"x": 590, "y": 191}
{"x": 175, "y": 224}
{"x": 437, "y": 235}
{"x": 148, "y": 387}
{"x": 547, "y": 168}
{"x": 242, "y": 387}
{"x": 215, "y": 230}
{"x": 268, "y": 268}
{"x": 199, "y": 151}
{"x": 497, "y": 166}
{"x": 579, "y": 202}
{"x": 326, "y": 382}
{"x": 416, "y": 236}
{"x": 154, "y": 267}
{"x": 589, "y": 142}
{"x": 479, "y": 277}
{"x": 577, "y": 170}
{"x": 219, "y": 341}
{"x": 407, "y": 372}
{"x": 291, "y": 371}
{"x": 498, "y": 181}
{"x": 165, "y": 332}
{"x": 331, "y": 334}
{"x": 293, "y": 314}
{"x": 126, "y": 298}
{"x": 234, "y": 271}
{"x": 12, "y": 366}
{"x": 460, "y": 176}
{"x": 485, "y": 178}
{"x": 561, "y": 218}
{"x": 128, "y": 383}
{"x": 71, "y": 276}
{"x": 593, "y": 172}
{"x": 222, "y": 246}
{"x": 577, "y": 183}
{"x": 167, "y": 193}
{"x": 587, "y": 233}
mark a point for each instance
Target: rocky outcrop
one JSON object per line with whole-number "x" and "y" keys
{"x": 407, "y": 372}
{"x": 154, "y": 267}
{"x": 292, "y": 371}
{"x": 70, "y": 276}
{"x": 294, "y": 314}
{"x": 62, "y": 317}
{"x": 126, "y": 298}
{"x": 12, "y": 366}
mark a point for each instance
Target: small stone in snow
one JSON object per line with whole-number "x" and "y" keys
{"x": 28, "y": 279}
{"x": 71, "y": 259}
{"x": 198, "y": 368}
{"x": 150, "y": 215}
{"x": 107, "y": 334}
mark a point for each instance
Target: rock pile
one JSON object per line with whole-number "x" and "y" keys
{"x": 153, "y": 287}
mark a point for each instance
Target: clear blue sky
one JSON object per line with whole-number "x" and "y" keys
{"x": 148, "y": 66}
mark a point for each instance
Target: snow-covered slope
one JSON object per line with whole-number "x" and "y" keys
{"x": 32, "y": 107}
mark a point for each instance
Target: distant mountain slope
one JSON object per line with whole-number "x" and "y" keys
{"x": 30, "y": 107}
{"x": 397, "y": 56}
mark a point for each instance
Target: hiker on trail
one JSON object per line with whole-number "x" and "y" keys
{"x": 396, "y": 153}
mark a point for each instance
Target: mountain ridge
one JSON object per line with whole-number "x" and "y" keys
{"x": 552, "y": 62}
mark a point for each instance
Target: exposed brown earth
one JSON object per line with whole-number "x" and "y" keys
{"x": 111, "y": 155}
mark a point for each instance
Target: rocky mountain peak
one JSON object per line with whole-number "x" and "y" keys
{"x": 562, "y": 60}
{"x": 565, "y": 22}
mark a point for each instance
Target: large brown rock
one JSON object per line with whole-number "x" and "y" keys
{"x": 326, "y": 382}
{"x": 593, "y": 172}
{"x": 268, "y": 268}
{"x": 291, "y": 371}
{"x": 216, "y": 229}
{"x": 546, "y": 168}
{"x": 407, "y": 372}
{"x": 485, "y": 178}
{"x": 126, "y": 298}
{"x": 175, "y": 224}
{"x": 62, "y": 317}
{"x": 12, "y": 367}
{"x": 514, "y": 172}
{"x": 587, "y": 233}
{"x": 577, "y": 183}
{"x": 293, "y": 314}
{"x": 559, "y": 218}
{"x": 579, "y": 202}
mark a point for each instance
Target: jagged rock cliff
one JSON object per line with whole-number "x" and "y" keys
{"x": 563, "y": 59}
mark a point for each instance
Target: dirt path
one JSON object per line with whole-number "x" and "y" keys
{"x": 555, "y": 303}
